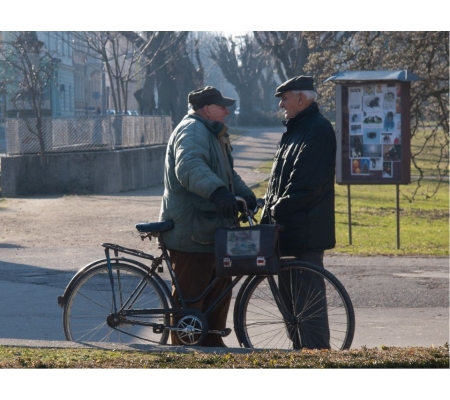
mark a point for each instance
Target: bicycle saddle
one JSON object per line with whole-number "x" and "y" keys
{"x": 148, "y": 227}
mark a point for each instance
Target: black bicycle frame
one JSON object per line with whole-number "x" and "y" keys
{"x": 156, "y": 261}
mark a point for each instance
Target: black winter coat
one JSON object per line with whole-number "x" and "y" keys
{"x": 300, "y": 194}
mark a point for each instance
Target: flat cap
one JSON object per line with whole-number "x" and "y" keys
{"x": 206, "y": 96}
{"x": 297, "y": 83}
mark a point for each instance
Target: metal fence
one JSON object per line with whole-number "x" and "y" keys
{"x": 86, "y": 133}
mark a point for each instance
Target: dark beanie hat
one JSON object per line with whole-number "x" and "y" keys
{"x": 297, "y": 83}
{"x": 206, "y": 96}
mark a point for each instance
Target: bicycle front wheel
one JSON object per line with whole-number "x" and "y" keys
{"x": 91, "y": 312}
{"x": 304, "y": 306}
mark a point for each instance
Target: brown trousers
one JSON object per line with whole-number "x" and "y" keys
{"x": 194, "y": 271}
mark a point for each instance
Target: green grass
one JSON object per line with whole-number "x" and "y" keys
{"x": 423, "y": 224}
{"x": 434, "y": 154}
{"x": 383, "y": 357}
{"x": 235, "y": 133}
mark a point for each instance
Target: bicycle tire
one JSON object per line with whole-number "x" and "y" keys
{"x": 262, "y": 326}
{"x": 89, "y": 303}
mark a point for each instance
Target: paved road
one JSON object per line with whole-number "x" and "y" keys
{"x": 399, "y": 301}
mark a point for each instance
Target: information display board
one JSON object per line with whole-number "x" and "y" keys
{"x": 373, "y": 127}
{"x": 373, "y": 133}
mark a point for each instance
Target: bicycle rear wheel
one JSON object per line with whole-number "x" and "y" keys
{"x": 89, "y": 309}
{"x": 316, "y": 310}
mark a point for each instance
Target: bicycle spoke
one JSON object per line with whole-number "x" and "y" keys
{"x": 316, "y": 311}
{"x": 88, "y": 312}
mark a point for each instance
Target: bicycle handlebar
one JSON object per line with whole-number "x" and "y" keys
{"x": 250, "y": 213}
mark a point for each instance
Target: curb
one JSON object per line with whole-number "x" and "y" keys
{"x": 146, "y": 348}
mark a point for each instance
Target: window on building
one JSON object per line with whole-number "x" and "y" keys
{"x": 70, "y": 43}
{"x": 62, "y": 92}
{"x": 70, "y": 98}
{"x": 63, "y": 43}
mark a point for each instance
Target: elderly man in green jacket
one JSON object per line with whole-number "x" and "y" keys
{"x": 199, "y": 196}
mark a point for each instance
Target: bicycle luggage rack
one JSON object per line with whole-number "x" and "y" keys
{"x": 120, "y": 249}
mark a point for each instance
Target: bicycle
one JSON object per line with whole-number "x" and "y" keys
{"x": 120, "y": 299}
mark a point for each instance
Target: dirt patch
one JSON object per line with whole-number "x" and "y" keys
{"x": 67, "y": 221}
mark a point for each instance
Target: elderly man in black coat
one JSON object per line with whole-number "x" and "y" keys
{"x": 300, "y": 193}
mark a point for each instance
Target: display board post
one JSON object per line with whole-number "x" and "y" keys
{"x": 349, "y": 200}
{"x": 398, "y": 216}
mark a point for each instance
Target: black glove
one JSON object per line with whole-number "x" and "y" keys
{"x": 251, "y": 202}
{"x": 225, "y": 202}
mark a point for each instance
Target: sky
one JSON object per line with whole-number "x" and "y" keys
{"x": 229, "y": 15}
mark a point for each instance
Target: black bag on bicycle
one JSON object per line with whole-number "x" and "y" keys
{"x": 251, "y": 250}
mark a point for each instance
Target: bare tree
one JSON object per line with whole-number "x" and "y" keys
{"x": 243, "y": 64}
{"x": 170, "y": 71}
{"x": 29, "y": 72}
{"x": 424, "y": 53}
{"x": 123, "y": 60}
{"x": 289, "y": 50}
{"x": 158, "y": 59}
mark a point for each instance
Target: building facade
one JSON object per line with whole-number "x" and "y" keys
{"x": 80, "y": 86}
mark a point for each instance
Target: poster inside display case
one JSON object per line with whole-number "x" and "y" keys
{"x": 374, "y": 139}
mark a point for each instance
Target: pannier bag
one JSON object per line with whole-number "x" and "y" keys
{"x": 251, "y": 250}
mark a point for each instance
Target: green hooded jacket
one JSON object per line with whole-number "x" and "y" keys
{"x": 198, "y": 161}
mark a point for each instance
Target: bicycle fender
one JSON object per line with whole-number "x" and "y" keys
{"x": 236, "y": 307}
{"x": 62, "y": 299}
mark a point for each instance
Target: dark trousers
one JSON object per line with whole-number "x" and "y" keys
{"x": 194, "y": 272}
{"x": 304, "y": 296}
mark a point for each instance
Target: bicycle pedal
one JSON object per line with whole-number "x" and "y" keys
{"x": 223, "y": 333}
{"x": 158, "y": 328}
{"x": 226, "y": 332}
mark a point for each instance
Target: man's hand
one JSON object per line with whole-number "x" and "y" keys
{"x": 225, "y": 202}
{"x": 251, "y": 203}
